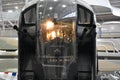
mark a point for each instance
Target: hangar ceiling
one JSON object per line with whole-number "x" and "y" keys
{"x": 103, "y": 13}
{"x": 12, "y": 4}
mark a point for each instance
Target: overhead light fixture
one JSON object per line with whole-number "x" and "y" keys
{"x": 50, "y": 8}
{"x": 16, "y": 7}
{"x": 111, "y": 22}
{"x": 55, "y": 0}
{"x": 10, "y": 11}
{"x": 64, "y": 6}
{"x": 40, "y": 12}
{"x": 74, "y": 2}
{"x": 41, "y": 6}
{"x": 41, "y": 0}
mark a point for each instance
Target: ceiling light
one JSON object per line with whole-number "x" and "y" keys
{"x": 16, "y": 7}
{"x": 40, "y": 12}
{"x": 74, "y": 2}
{"x": 41, "y": 0}
{"x": 64, "y": 6}
{"x": 41, "y": 6}
{"x": 50, "y": 8}
{"x": 112, "y": 22}
{"x": 55, "y": 0}
{"x": 10, "y": 11}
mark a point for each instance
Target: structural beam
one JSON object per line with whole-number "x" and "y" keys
{"x": 1, "y": 16}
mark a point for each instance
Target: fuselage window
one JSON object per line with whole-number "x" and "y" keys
{"x": 84, "y": 17}
{"x": 29, "y": 16}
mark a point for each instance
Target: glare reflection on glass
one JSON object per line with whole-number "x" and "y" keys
{"x": 49, "y": 25}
